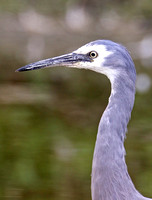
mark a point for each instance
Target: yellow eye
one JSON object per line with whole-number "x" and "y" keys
{"x": 93, "y": 54}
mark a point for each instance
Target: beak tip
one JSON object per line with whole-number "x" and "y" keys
{"x": 25, "y": 68}
{"x": 20, "y": 70}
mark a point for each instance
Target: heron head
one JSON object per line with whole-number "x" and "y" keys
{"x": 102, "y": 56}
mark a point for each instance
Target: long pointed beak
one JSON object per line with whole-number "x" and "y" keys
{"x": 64, "y": 60}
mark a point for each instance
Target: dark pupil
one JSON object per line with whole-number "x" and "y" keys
{"x": 93, "y": 54}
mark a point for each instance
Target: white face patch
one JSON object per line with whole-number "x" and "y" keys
{"x": 100, "y": 49}
{"x": 98, "y": 62}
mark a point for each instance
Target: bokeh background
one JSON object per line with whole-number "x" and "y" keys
{"x": 49, "y": 118}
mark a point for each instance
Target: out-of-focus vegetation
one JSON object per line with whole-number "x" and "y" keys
{"x": 49, "y": 118}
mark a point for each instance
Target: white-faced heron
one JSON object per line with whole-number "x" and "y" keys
{"x": 110, "y": 178}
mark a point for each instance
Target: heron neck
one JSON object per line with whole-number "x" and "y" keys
{"x": 113, "y": 124}
{"x": 109, "y": 170}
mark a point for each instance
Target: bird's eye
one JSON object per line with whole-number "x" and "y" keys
{"x": 93, "y": 54}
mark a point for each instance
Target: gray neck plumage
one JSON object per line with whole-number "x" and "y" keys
{"x": 110, "y": 178}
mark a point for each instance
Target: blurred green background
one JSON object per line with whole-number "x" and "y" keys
{"x": 49, "y": 118}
